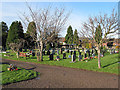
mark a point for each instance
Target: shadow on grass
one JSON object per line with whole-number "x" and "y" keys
{"x": 110, "y": 64}
{"x": 31, "y": 68}
{"x": 4, "y": 63}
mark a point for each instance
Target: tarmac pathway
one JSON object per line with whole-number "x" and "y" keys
{"x": 62, "y": 77}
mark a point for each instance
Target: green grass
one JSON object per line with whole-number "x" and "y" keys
{"x": 109, "y": 62}
{"x": 7, "y": 77}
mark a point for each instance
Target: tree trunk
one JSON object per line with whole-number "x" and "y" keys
{"x": 41, "y": 49}
{"x": 99, "y": 64}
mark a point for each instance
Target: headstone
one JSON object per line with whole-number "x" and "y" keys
{"x": 48, "y": 52}
{"x": 93, "y": 55}
{"x": 75, "y": 53}
{"x": 33, "y": 54}
{"x": 20, "y": 49}
{"x": 88, "y": 53}
{"x": 43, "y": 52}
{"x": 25, "y": 49}
{"x": 64, "y": 55}
{"x": 73, "y": 58}
{"x": 58, "y": 58}
{"x": 82, "y": 49}
{"x": 71, "y": 52}
{"x": 85, "y": 55}
{"x": 113, "y": 50}
{"x": 51, "y": 57}
{"x": 38, "y": 53}
{"x": 68, "y": 51}
{"x": 79, "y": 57}
{"x": 57, "y": 52}
{"x": 61, "y": 50}
{"x": 53, "y": 51}
{"x": 92, "y": 52}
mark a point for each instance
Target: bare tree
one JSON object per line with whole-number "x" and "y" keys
{"x": 16, "y": 46}
{"x": 46, "y": 21}
{"x": 108, "y": 24}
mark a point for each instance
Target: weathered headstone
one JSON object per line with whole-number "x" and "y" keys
{"x": 51, "y": 57}
{"x": 73, "y": 58}
{"x": 64, "y": 55}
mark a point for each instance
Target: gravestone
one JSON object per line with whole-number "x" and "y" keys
{"x": 43, "y": 52}
{"x": 92, "y": 52}
{"x": 68, "y": 51}
{"x": 20, "y": 49}
{"x": 48, "y": 52}
{"x": 82, "y": 49}
{"x": 75, "y": 53}
{"x": 79, "y": 57}
{"x": 85, "y": 55}
{"x": 38, "y": 53}
{"x": 61, "y": 50}
{"x": 25, "y": 49}
{"x": 51, "y": 57}
{"x": 71, "y": 52}
{"x": 33, "y": 54}
{"x": 57, "y": 52}
{"x": 93, "y": 55}
{"x": 58, "y": 58}
{"x": 64, "y": 55}
{"x": 103, "y": 53}
{"x": 73, "y": 58}
{"x": 88, "y": 53}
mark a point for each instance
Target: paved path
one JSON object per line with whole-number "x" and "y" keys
{"x": 61, "y": 77}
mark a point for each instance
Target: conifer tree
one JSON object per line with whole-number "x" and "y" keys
{"x": 69, "y": 36}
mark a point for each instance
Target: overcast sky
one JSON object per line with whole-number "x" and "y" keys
{"x": 80, "y": 11}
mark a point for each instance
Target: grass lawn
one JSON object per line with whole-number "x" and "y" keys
{"x": 21, "y": 74}
{"x": 109, "y": 62}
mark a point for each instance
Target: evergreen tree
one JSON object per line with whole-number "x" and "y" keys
{"x": 15, "y": 33}
{"x": 69, "y": 36}
{"x": 31, "y": 35}
{"x": 4, "y": 33}
{"x": 75, "y": 37}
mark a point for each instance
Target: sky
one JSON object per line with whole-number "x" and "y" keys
{"x": 80, "y": 11}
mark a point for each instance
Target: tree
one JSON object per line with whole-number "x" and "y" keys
{"x": 76, "y": 38}
{"x": 46, "y": 22}
{"x": 69, "y": 36}
{"x": 108, "y": 25}
{"x": 31, "y": 35}
{"x": 15, "y": 33}
{"x": 4, "y": 33}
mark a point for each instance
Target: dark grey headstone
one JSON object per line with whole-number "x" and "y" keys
{"x": 51, "y": 57}
{"x": 64, "y": 55}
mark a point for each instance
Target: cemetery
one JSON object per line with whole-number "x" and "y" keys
{"x": 48, "y": 39}
{"x": 86, "y": 59}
